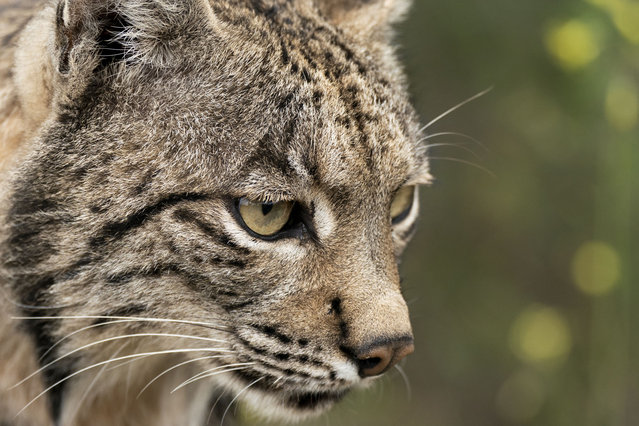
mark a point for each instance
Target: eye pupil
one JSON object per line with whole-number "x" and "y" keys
{"x": 264, "y": 219}
{"x": 266, "y": 208}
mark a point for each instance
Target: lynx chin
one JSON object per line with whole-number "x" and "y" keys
{"x": 203, "y": 202}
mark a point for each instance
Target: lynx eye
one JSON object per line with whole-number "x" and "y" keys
{"x": 265, "y": 219}
{"x": 402, "y": 203}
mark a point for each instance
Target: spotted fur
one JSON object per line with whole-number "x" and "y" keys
{"x": 127, "y": 129}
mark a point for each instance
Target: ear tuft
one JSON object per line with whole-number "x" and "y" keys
{"x": 114, "y": 40}
{"x": 364, "y": 17}
{"x": 96, "y": 24}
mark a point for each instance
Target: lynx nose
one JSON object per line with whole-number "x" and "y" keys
{"x": 380, "y": 356}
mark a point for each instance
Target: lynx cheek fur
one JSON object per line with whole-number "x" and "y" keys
{"x": 210, "y": 194}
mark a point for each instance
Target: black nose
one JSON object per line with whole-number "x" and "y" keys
{"x": 375, "y": 358}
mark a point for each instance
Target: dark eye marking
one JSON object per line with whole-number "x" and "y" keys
{"x": 187, "y": 216}
{"x": 114, "y": 231}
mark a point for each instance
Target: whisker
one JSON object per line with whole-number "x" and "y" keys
{"x": 454, "y": 145}
{"x": 237, "y": 396}
{"x": 406, "y": 382}
{"x": 119, "y": 321}
{"x": 79, "y": 331}
{"x": 455, "y": 108}
{"x": 212, "y": 372}
{"x": 208, "y": 419}
{"x": 122, "y": 364}
{"x": 111, "y": 339}
{"x": 461, "y": 135}
{"x": 172, "y": 351}
{"x": 93, "y": 382}
{"x": 173, "y": 368}
{"x": 129, "y": 372}
{"x": 458, "y": 160}
{"x": 141, "y": 319}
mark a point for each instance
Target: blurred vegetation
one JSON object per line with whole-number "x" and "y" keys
{"x": 521, "y": 286}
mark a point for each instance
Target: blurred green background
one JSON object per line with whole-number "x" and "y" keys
{"x": 521, "y": 284}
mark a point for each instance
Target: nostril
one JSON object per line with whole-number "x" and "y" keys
{"x": 375, "y": 359}
{"x": 369, "y": 363}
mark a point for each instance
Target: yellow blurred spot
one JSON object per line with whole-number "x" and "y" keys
{"x": 622, "y": 105}
{"x": 572, "y": 44}
{"x": 596, "y": 268}
{"x": 539, "y": 335}
{"x": 521, "y": 397}
{"x": 624, "y": 14}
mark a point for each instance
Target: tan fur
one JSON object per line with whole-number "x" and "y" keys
{"x": 128, "y": 131}
{"x": 16, "y": 362}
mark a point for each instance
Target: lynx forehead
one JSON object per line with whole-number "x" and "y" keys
{"x": 210, "y": 195}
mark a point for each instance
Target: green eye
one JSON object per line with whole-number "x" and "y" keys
{"x": 402, "y": 203}
{"x": 265, "y": 219}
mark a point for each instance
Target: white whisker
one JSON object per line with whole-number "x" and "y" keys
{"x": 213, "y": 372}
{"x": 406, "y": 382}
{"x": 173, "y": 368}
{"x": 236, "y": 397}
{"x": 458, "y": 160}
{"x": 141, "y": 319}
{"x": 173, "y": 351}
{"x": 122, "y": 364}
{"x": 111, "y": 339}
{"x": 454, "y": 145}
{"x": 93, "y": 382}
{"x": 208, "y": 419}
{"x": 455, "y": 108}
{"x": 79, "y": 331}
{"x": 461, "y": 135}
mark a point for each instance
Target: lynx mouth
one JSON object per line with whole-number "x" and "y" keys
{"x": 303, "y": 402}
{"x": 314, "y": 400}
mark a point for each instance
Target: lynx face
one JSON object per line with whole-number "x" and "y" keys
{"x": 224, "y": 185}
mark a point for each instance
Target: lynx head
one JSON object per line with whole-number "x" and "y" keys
{"x": 244, "y": 168}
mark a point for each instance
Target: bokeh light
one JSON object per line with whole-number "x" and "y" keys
{"x": 540, "y": 335}
{"x": 573, "y": 44}
{"x": 625, "y": 15}
{"x": 596, "y": 268}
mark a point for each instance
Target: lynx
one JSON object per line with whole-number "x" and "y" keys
{"x": 203, "y": 202}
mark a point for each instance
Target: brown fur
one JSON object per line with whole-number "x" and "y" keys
{"x": 127, "y": 129}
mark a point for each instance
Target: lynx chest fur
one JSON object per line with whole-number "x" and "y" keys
{"x": 203, "y": 202}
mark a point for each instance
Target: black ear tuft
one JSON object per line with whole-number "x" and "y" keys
{"x": 97, "y": 27}
{"x": 114, "y": 41}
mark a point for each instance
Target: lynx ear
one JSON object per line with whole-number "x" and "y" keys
{"x": 124, "y": 30}
{"x": 364, "y": 17}
{"x": 85, "y": 30}
{"x": 70, "y": 41}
